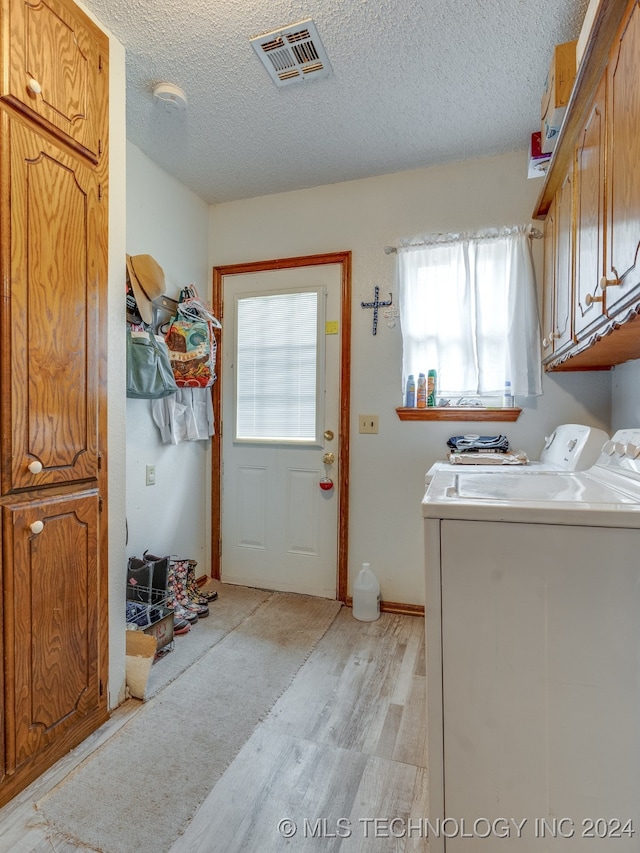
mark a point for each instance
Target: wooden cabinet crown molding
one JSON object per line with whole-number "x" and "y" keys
{"x": 589, "y": 73}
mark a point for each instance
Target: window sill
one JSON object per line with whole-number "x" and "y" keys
{"x": 458, "y": 413}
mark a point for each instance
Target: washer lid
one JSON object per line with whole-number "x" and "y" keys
{"x": 544, "y": 497}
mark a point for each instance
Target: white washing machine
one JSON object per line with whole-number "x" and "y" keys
{"x": 533, "y": 656}
{"x": 570, "y": 447}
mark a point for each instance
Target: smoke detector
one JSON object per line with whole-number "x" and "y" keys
{"x": 170, "y": 96}
{"x": 293, "y": 54}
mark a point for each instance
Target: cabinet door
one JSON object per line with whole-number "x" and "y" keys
{"x": 548, "y": 304}
{"x": 51, "y": 614}
{"x": 589, "y": 203}
{"x": 563, "y": 302}
{"x": 52, "y": 256}
{"x": 57, "y": 70}
{"x": 623, "y": 121}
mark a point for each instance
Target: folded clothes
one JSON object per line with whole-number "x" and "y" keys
{"x": 472, "y": 457}
{"x": 479, "y": 443}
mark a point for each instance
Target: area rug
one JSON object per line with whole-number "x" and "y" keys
{"x": 140, "y": 789}
{"x": 233, "y": 605}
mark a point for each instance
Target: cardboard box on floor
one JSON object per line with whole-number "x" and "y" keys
{"x": 140, "y": 653}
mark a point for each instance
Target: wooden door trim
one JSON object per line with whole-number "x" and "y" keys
{"x": 217, "y": 300}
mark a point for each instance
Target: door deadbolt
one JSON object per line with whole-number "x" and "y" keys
{"x": 328, "y": 435}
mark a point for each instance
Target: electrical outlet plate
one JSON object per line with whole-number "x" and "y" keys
{"x": 368, "y": 424}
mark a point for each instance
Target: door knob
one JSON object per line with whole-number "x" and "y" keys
{"x": 329, "y": 458}
{"x": 609, "y": 282}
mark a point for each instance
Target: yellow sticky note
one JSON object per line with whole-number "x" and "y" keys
{"x": 331, "y": 327}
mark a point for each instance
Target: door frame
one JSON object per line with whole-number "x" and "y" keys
{"x": 343, "y": 259}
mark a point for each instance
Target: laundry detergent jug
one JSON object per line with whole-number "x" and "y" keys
{"x": 366, "y": 595}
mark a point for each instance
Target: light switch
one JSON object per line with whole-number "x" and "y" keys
{"x": 151, "y": 475}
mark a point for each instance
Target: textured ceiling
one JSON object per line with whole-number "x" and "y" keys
{"x": 414, "y": 83}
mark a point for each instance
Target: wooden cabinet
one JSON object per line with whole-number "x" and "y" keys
{"x": 50, "y": 606}
{"x": 589, "y": 215}
{"x": 53, "y": 273}
{"x": 597, "y": 150}
{"x": 56, "y": 70}
{"x": 51, "y": 316}
{"x": 623, "y": 203}
{"x": 563, "y": 294}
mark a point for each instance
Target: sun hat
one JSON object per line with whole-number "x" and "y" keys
{"x": 147, "y": 280}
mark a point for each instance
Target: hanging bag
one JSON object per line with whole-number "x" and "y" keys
{"x": 192, "y": 343}
{"x": 149, "y": 374}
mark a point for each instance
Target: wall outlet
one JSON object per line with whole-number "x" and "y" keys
{"x": 151, "y": 475}
{"x": 368, "y": 424}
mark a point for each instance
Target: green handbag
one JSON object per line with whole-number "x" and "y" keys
{"x": 149, "y": 373}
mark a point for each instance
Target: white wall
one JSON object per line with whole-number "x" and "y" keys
{"x": 626, "y": 396}
{"x": 387, "y": 470}
{"x": 169, "y": 222}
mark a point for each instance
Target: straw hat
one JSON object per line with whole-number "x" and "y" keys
{"x": 147, "y": 280}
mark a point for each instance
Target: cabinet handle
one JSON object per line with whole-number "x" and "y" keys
{"x": 608, "y": 282}
{"x": 35, "y": 467}
{"x": 590, "y": 299}
{"x": 34, "y": 86}
{"x": 36, "y": 527}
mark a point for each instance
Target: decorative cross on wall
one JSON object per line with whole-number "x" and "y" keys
{"x": 375, "y": 305}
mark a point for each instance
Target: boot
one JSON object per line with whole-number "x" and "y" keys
{"x": 181, "y": 570}
{"x": 159, "y": 576}
{"x": 139, "y": 580}
{"x": 192, "y": 586}
{"x": 173, "y": 603}
{"x": 202, "y": 596}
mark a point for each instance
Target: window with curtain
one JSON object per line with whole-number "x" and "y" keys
{"x": 279, "y": 366}
{"x": 469, "y": 309}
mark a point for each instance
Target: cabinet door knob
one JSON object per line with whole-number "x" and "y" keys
{"x": 608, "y": 282}
{"x": 34, "y": 86}
{"x": 590, "y": 299}
{"x": 35, "y": 467}
{"x": 36, "y": 527}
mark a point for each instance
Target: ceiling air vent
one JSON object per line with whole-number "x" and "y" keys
{"x": 293, "y": 54}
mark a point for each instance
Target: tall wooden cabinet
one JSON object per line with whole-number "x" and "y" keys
{"x": 53, "y": 273}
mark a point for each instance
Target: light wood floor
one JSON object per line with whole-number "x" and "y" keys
{"x": 342, "y": 755}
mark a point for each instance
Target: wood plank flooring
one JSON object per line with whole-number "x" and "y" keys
{"x": 341, "y": 755}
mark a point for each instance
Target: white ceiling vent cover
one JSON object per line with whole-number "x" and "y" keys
{"x": 293, "y": 54}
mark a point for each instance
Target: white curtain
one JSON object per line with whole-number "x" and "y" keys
{"x": 469, "y": 310}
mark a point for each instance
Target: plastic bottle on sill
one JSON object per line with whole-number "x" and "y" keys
{"x": 366, "y": 595}
{"x": 421, "y": 395}
{"x": 410, "y": 394}
{"x": 432, "y": 383}
{"x": 507, "y": 397}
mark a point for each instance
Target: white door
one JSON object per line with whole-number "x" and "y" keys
{"x": 279, "y": 525}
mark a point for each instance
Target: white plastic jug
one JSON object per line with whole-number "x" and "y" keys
{"x": 366, "y": 595}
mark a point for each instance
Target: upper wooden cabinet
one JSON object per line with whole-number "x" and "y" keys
{"x": 623, "y": 202}
{"x": 50, "y": 383}
{"x": 58, "y": 70}
{"x": 589, "y": 219}
{"x": 597, "y": 151}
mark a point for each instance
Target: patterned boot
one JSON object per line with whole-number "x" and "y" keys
{"x": 181, "y": 570}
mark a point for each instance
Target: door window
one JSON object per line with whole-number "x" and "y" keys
{"x": 279, "y": 366}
